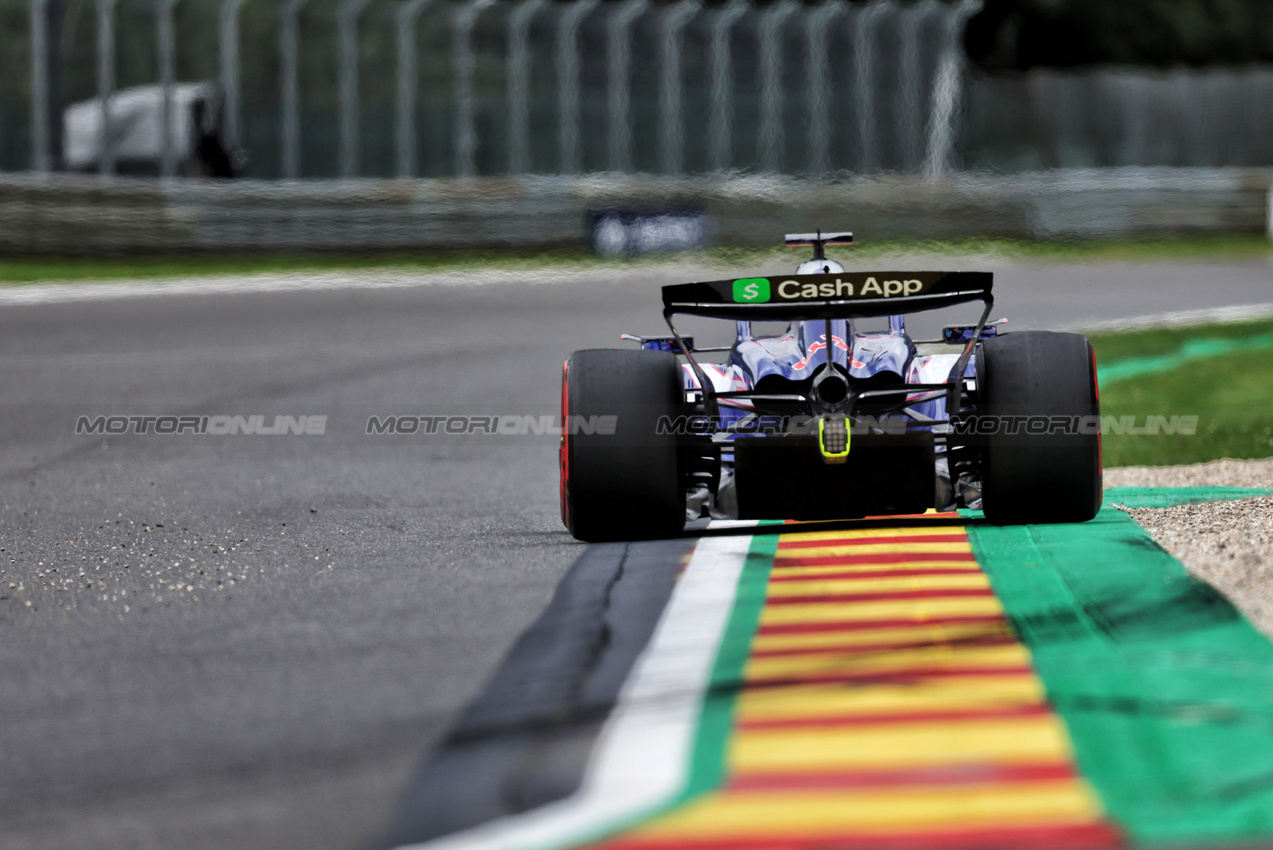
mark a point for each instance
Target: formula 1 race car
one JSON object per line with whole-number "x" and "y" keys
{"x": 829, "y": 420}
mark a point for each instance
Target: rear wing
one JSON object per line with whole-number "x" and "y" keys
{"x": 845, "y": 295}
{"x": 817, "y": 240}
{"x": 827, "y": 296}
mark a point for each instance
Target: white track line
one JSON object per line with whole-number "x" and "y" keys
{"x": 312, "y": 281}
{"x": 1184, "y": 318}
{"x": 57, "y": 293}
{"x": 732, "y": 524}
{"x": 641, "y": 760}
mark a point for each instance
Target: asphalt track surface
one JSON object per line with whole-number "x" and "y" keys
{"x": 376, "y": 586}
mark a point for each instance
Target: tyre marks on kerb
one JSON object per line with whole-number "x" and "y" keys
{"x": 886, "y": 702}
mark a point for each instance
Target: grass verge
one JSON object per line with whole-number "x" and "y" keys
{"x": 1231, "y": 394}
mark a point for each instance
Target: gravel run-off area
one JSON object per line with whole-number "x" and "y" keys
{"x": 1226, "y": 544}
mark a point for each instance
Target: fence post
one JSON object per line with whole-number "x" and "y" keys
{"x": 671, "y": 135}
{"x": 819, "y": 81}
{"x": 864, "y": 90}
{"x": 941, "y": 131}
{"x": 1268, "y": 210}
{"x": 462, "y": 55}
{"x": 518, "y": 80}
{"x": 167, "y": 75}
{"x": 347, "y": 27}
{"x": 41, "y": 160}
{"x": 619, "y": 81}
{"x": 911, "y": 89}
{"x": 720, "y": 123}
{"x": 568, "y": 82}
{"x": 771, "y": 133}
{"x": 289, "y": 89}
{"x": 407, "y": 16}
{"x": 230, "y": 69}
{"x": 105, "y": 84}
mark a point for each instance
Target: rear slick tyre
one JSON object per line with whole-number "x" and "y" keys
{"x": 620, "y": 477}
{"x": 1040, "y": 470}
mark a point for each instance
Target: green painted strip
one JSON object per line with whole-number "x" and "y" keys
{"x": 708, "y": 768}
{"x": 1194, "y": 349}
{"x": 1166, "y": 689}
{"x": 1169, "y": 497}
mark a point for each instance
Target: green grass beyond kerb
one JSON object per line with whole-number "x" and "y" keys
{"x": 1221, "y": 374}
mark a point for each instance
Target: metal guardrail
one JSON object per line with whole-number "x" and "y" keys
{"x": 64, "y": 214}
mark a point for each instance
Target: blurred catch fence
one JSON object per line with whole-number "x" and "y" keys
{"x": 523, "y": 123}
{"x": 440, "y": 88}
{"x": 349, "y": 88}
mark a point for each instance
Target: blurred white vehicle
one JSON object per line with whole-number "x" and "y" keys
{"x": 135, "y": 130}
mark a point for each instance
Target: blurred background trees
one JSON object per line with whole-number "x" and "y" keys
{"x": 1023, "y": 34}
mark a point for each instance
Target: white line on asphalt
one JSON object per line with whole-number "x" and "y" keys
{"x": 54, "y": 293}
{"x": 59, "y": 292}
{"x": 1184, "y": 318}
{"x": 731, "y": 524}
{"x": 642, "y": 756}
